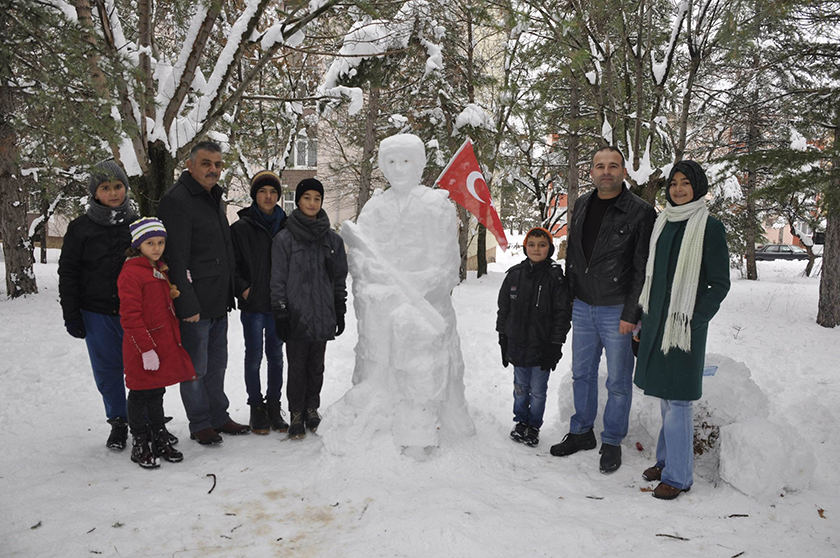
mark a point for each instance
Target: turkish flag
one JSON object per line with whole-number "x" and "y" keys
{"x": 463, "y": 180}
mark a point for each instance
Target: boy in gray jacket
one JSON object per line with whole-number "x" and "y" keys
{"x": 308, "y": 300}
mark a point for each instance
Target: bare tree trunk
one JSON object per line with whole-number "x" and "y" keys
{"x": 149, "y": 188}
{"x": 45, "y": 209}
{"x": 481, "y": 255}
{"x": 17, "y": 248}
{"x": 574, "y": 147}
{"x": 828, "y": 313}
{"x": 750, "y": 216}
{"x": 463, "y": 241}
{"x": 368, "y": 147}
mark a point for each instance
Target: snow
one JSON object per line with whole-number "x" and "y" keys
{"x": 659, "y": 69}
{"x": 475, "y": 116}
{"x": 645, "y": 170}
{"x": 65, "y": 494}
{"x": 65, "y": 8}
{"x": 607, "y": 130}
{"x": 797, "y": 141}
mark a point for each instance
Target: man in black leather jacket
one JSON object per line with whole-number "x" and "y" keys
{"x": 605, "y": 265}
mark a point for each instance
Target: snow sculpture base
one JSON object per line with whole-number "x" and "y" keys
{"x": 733, "y": 440}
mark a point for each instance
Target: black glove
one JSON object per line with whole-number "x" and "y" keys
{"x": 503, "y": 345}
{"x": 551, "y": 356}
{"x": 282, "y": 327}
{"x": 340, "y": 310}
{"x": 76, "y": 328}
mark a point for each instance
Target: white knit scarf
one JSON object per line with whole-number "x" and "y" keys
{"x": 686, "y": 277}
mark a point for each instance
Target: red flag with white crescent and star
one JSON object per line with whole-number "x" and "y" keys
{"x": 463, "y": 180}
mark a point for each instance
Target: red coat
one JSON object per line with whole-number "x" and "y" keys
{"x": 149, "y": 323}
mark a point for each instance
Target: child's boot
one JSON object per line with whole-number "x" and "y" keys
{"x": 119, "y": 434}
{"x": 162, "y": 447}
{"x": 275, "y": 416}
{"x": 259, "y": 419}
{"x": 532, "y": 437}
{"x": 141, "y": 452}
{"x": 297, "y": 429}
{"x": 518, "y": 432}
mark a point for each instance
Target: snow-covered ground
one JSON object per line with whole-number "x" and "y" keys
{"x": 62, "y": 493}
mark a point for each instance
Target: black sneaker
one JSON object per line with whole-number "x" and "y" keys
{"x": 141, "y": 453}
{"x": 518, "y": 432}
{"x": 119, "y": 434}
{"x": 573, "y": 443}
{"x": 610, "y": 458}
{"x": 532, "y": 437}
{"x": 313, "y": 420}
{"x": 259, "y": 419}
{"x": 275, "y": 416}
{"x": 297, "y": 429}
{"x": 162, "y": 447}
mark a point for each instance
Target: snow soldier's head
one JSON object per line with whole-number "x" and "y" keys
{"x": 402, "y": 159}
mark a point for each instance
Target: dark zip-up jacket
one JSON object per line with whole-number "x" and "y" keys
{"x": 616, "y": 271}
{"x": 252, "y": 249}
{"x": 535, "y": 310}
{"x": 199, "y": 249}
{"x": 88, "y": 267}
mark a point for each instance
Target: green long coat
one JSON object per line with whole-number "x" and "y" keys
{"x": 679, "y": 374}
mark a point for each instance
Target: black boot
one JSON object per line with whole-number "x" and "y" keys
{"x": 141, "y": 452}
{"x": 259, "y": 419}
{"x": 518, "y": 432}
{"x": 296, "y": 429}
{"x": 119, "y": 434}
{"x": 275, "y": 416}
{"x": 573, "y": 443}
{"x": 162, "y": 447}
{"x": 532, "y": 437}
{"x": 313, "y": 419}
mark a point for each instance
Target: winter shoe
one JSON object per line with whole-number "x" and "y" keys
{"x": 297, "y": 429}
{"x": 610, "y": 458}
{"x": 667, "y": 492}
{"x": 275, "y": 416}
{"x": 259, "y": 419}
{"x": 119, "y": 434}
{"x": 141, "y": 452}
{"x": 532, "y": 437}
{"x": 652, "y": 474}
{"x": 206, "y": 437}
{"x": 233, "y": 428}
{"x": 162, "y": 447}
{"x": 572, "y": 443}
{"x": 313, "y": 419}
{"x": 173, "y": 439}
{"x": 518, "y": 432}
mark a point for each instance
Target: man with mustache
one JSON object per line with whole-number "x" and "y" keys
{"x": 199, "y": 252}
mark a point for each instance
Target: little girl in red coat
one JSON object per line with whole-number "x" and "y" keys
{"x": 152, "y": 353}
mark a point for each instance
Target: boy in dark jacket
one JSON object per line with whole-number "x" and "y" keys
{"x": 252, "y": 235}
{"x": 534, "y": 317}
{"x": 308, "y": 299}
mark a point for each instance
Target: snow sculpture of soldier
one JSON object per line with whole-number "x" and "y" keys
{"x": 404, "y": 262}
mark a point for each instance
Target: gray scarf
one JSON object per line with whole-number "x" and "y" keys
{"x": 110, "y": 216}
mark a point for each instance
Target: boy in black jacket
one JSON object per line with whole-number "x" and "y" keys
{"x": 534, "y": 317}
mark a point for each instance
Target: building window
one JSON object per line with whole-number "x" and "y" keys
{"x": 288, "y": 200}
{"x": 305, "y": 152}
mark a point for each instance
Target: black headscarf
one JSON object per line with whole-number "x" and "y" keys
{"x": 695, "y": 174}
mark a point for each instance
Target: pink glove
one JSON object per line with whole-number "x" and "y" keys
{"x": 151, "y": 360}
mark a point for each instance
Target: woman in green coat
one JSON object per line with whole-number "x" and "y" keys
{"x": 686, "y": 279}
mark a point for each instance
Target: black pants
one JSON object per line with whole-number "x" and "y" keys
{"x": 306, "y": 374}
{"x": 145, "y": 410}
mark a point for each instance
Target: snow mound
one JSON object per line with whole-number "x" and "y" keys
{"x": 761, "y": 458}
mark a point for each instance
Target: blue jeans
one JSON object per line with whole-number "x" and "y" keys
{"x": 530, "y": 384}
{"x": 595, "y": 331}
{"x": 204, "y": 398}
{"x": 104, "y": 344}
{"x": 675, "y": 448}
{"x": 255, "y": 325}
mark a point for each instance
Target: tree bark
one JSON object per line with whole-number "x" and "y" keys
{"x": 463, "y": 241}
{"x": 17, "y": 248}
{"x": 481, "y": 254}
{"x": 574, "y": 147}
{"x": 150, "y": 187}
{"x": 750, "y": 214}
{"x": 368, "y": 147}
{"x": 828, "y": 313}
